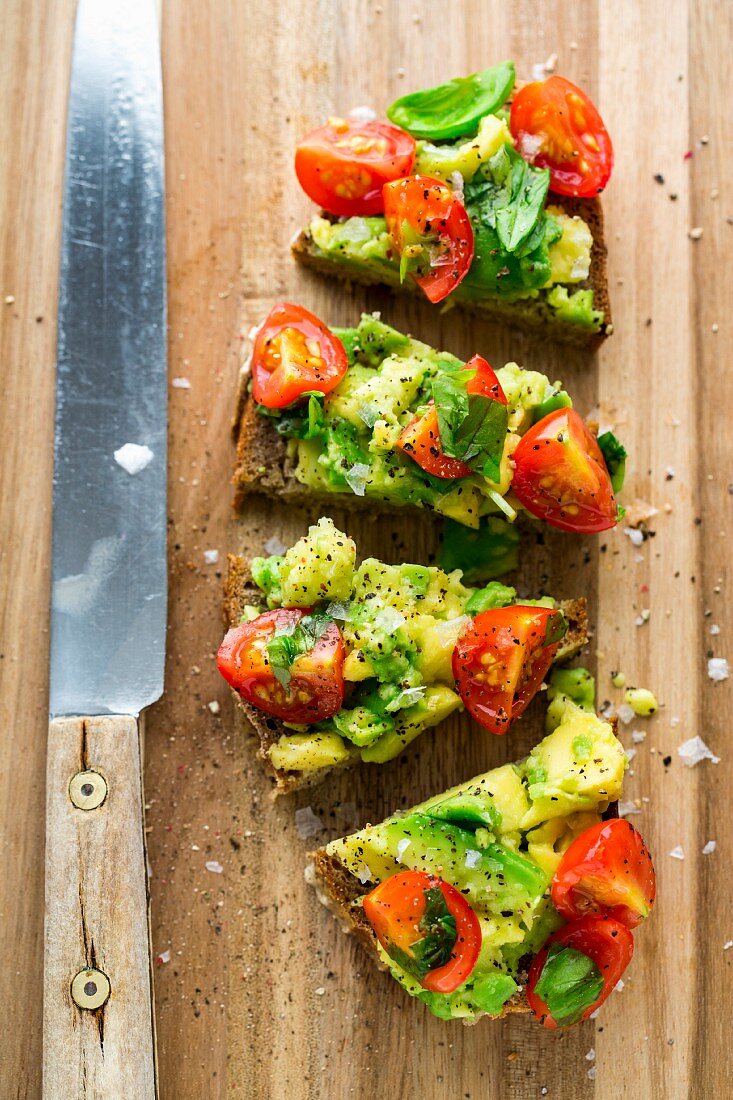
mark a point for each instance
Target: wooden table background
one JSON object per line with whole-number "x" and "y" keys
{"x": 263, "y": 996}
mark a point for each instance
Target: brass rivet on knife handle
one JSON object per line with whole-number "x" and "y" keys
{"x": 90, "y": 989}
{"x": 87, "y": 790}
{"x": 98, "y": 998}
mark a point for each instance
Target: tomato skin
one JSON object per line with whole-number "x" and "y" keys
{"x": 344, "y": 164}
{"x": 607, "y": 869}
{"x": 316, "y": 689}
{"x": 294, "y": 353}
{"x": 560, "y": 475}
{"x": 500, "y": 662}
{"x": 606, "y": 941}
{"x": 420, "y": 440}
{"x": 427, "y": 208}
{"x": 394, "y": 909}
{"x": 575, "y": 145}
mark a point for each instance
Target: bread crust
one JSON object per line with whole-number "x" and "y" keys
{"x": 531, "y": 313}
{"x": 240, "y": 592}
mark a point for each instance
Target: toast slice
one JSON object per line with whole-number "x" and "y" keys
{"x": 241, "y": 592}
{"x": 534, "y": 314}
{"x": 340, "y": 889}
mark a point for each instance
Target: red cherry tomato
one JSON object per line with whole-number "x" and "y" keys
{"x": 316, "y": 688}
{"x": 501, "y": 660}
{"x": 608, "y": 869}
{"x": 557, "y": 127}
{"x": 344, "y": 165}
{"x": 606, "y": 941}
{"x": 427, "y": 223}
{"x": 294, "y": 353}
{"x": 395, "y": 910}
{"x": 421, "y": 438}
{"x": 560, "y": 475}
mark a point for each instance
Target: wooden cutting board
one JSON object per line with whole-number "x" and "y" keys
{"x": 258, "y": 992}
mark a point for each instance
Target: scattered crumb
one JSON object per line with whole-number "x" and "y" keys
{"x": 320, "y": 991}
{"x": 9, "y": 299}
{"x": 695, "y": 234}
{"x": 727, "y": 945}
{"x": 642, "y": 701}
{"x": 636, "y": 537}
{"x": 618, "y": 679}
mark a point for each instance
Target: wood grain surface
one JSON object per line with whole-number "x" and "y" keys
{"x": 258, "y": 994}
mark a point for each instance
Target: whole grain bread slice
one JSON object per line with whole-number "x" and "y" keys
{"x": 532, "y": 313}
{"x": 241, "y": 592}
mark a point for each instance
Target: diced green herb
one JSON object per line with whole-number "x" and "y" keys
{"x": 614, "y": 454}
{"x": 569, "y": 984}
{"x": 293, "y": 641}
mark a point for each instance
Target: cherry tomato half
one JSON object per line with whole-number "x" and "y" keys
{"x": 344, "y": 165}
{"x": 501, "y": 659}
{"x": 608, "y": 869}
{"x": 560, "y": 475}
{"x": 606, "y": 941}
{"x": 395, "y": 910}
{"x": 431, "y": 227}
{"x": 557, "y": 127}
{"x": 421, "y": 438}
{"x": 294, "y": 353}
{"x": 316, "y": 688}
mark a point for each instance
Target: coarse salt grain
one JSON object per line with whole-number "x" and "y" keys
{"x": 363, "y": 873}
{"x": 727, "y": 945}
{"x": 274, "y": 545}
{"x": 709, "y": 848}
{"x": 320, "y": 991}
{"x": 714, "y": 629}
{"x": 307, "y": 823}
{"x": 591, "y": 1055}
{"x": 214, "y": 706}
{"x": 637, "y": 736}
{"x": 626, "y": 809}
{"x": 619, "y": 985}
{"x": 625, "y": 713}
{"x": 402, "y": 847}
{"x": 591, "y": 1074}
{"x": 362, "y": 114}
{"x": 718, "y": 669}
{"x": 473, "y": 858}
{"x": 180, "y": 384}
{"x": 636, "y": 537}
{"x": 695, "y": 750}
{"x": 356, "y": 478}
{"x": 211, "y": 557}
{"x": 133, "y": 457}
{"x": 164, "y": 957}
{"x": 214, "y": 866}
{"x": 677, "y": 853}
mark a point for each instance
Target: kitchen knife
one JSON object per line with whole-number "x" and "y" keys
{"x": 108, "y": 601}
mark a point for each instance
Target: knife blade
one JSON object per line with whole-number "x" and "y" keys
{"x": 108, "y": 597}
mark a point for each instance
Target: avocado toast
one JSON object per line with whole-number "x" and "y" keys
{"x": 498, "y": 839}
{"x": 477, "y": 193}
{"x": 395, "y": 631}
{"x": 371, "y": 417}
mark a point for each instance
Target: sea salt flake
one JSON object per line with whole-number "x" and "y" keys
{"x": 626, "y": 809}
{"x": 402, "y": 847}
{"x": 356, "y": 478}
{"x": 695, "y": 750}
{"x": 591, "y": 1074}
{"x": 677, "y": 853}
{"x": 274, "y": 545}
{"x": 635, "y": 537}
{"x": 718, "y": 669}
{"x": 625, "y": 713}
{"x": 214, "y": 866}
{"x": 709, "y": 847}
{"x": 180, "y": 384}
{"x": 727, "y": 945}
{"x": 340, "y": 609}
{"x": 211, "y": 557}
{"x": 618, "y": 988}
{"x": 214, "y": 706}
{"x": 406, "y": 698}
{"x": 630, "y": 754}
{"x": 307, "y": 823}
{"x": 637, "y": 736}
{"x": 133, "y": 457}
{"x": 591, "y": 1055}
{"x": 389, "y": 619}
{"x": 714, "y": 629}
{"x": 473, "y": 858}
{"x": 164, "y": 957}
{"x": 363, "y": 873}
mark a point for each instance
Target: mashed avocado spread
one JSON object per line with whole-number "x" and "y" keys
{"x": 345, "y": 442}
{"x": 399, "y": 623}
{"x": 498, "y": 839}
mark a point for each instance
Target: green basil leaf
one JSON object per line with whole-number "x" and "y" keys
{"x": 556, "y": 629}
{"x": 614, "y": 455}
{"x": 293, "y": 641}
{"x": 516, "y": 200}
{"x": 454, "y": 109}
{"x": 472, "y": 426}
{"x": 569, "y": 984}
{"x": 435, "y": 947}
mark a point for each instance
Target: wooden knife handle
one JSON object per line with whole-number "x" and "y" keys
{"x": 98, "y": 1023}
